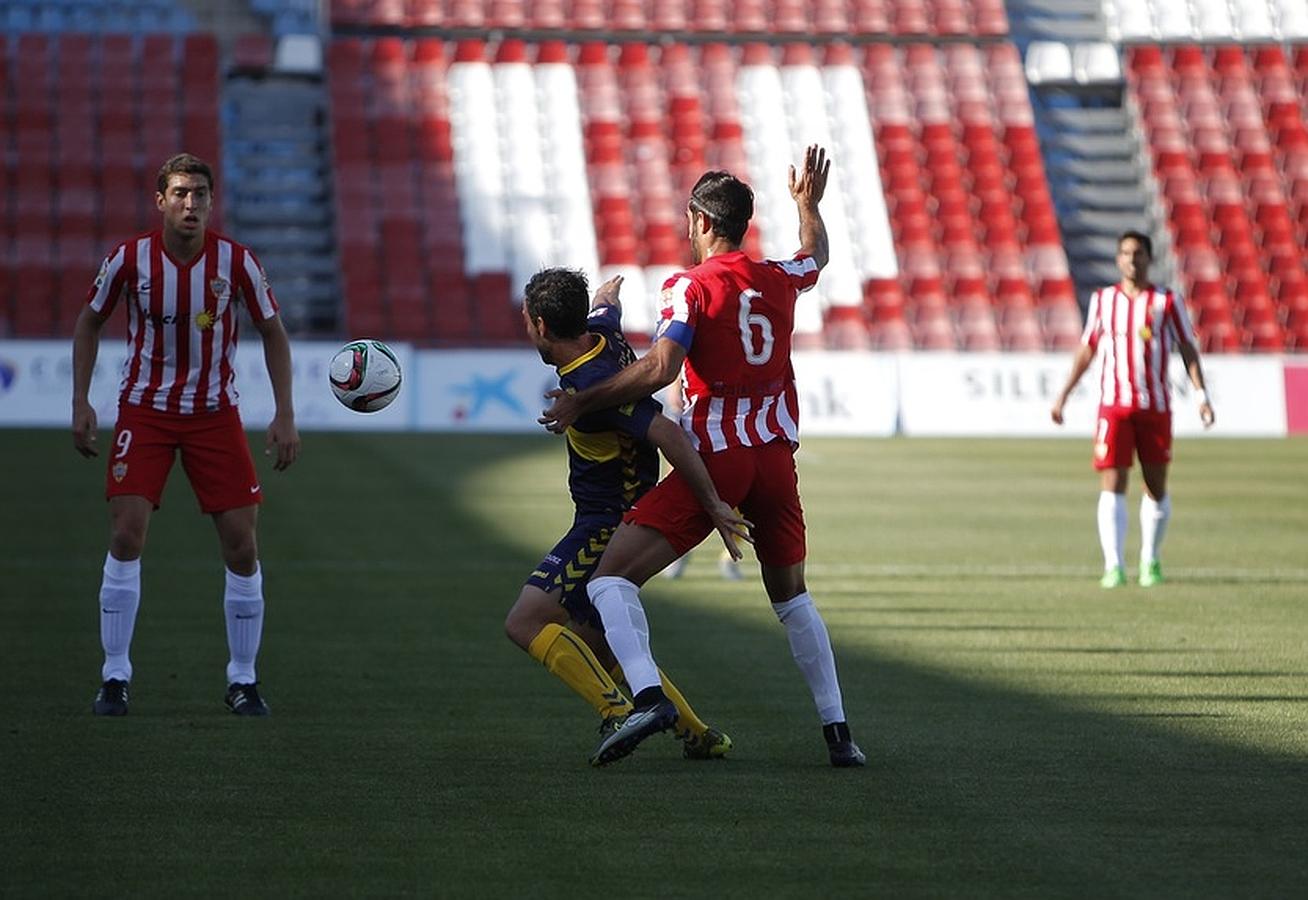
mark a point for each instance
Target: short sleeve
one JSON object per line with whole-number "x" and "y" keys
{"x": 1178, "y": 320}
{"x": 256, "y": 290}
{"x": 631, "y": 418}
{"x": 108, "y": 285}
{"x": 605, "y": 317}
{"x": 801, "y": 271}
{"x": 1093, "y": 322}
{"x": 682, "y": 302}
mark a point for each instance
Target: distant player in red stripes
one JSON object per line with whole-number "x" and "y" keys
{"x": 181, "y": 286}
{"x": 1131, "y": 329}
{"x": 729, "y": 318}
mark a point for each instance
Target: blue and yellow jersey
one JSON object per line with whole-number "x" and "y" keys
{"x": 610, "y": 461}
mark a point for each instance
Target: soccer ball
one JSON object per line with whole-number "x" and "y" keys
{"x": 365, "y": 375}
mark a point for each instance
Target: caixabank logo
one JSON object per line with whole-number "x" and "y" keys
{"x": 8, "y": 375}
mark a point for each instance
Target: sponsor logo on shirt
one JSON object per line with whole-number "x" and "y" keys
{"x": 204, "y": 320}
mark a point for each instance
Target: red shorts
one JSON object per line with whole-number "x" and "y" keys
{"x": 759, "y": 481}
{"x": 215, "y": 455}
{"x": 1121, "y": 433}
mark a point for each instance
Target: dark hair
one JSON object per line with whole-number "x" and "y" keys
{"x": 1140, "y": 237}
{"x": 727, "y": 201}
{"x": 183, "y": 164}
{"x": 561, "y": 297}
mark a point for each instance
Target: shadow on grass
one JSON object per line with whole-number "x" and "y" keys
{"x": 1014, "y": 793}
{"x": 414, "y": 751}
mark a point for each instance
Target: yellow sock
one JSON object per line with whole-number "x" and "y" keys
{"x": 687, "y": 722}
{"x": 568, "y": 659}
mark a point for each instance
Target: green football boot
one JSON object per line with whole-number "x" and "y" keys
{"x": 1151, "y": 574}
{"x": 1113, "y": 578}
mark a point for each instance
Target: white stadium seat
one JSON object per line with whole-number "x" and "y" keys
{"x": 1253, "y": 19}
{"x": 1048, "y": 61}
{"x": 1172, "y": 18}
{"x": 1096, "y": 62}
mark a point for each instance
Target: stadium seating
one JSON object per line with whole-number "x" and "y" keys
{"x": 94, "y": 17}
{"x": 771, "y": 18}
{"x": 89, "y": 128}
{"x": 1229, "y": 150}
{"x": 973, "y": 223}
{"x": 461, "y": 165}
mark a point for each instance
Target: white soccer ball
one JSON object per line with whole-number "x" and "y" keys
{"x": 365, "y": 375}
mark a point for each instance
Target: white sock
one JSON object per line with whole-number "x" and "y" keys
{"x": 243, "y": 606}
{"x": 810, "y": 644}
{"x": 626, "y": 629}
{"x": 1112, "y": 527}
{"x": 1153, "y": 525}
{"x": 120, "y": 597}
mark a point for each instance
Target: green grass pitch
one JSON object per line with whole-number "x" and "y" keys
{"x": 1029, "y": 734}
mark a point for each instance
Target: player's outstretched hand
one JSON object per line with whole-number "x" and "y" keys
{"x": 607, "y": 293}
{"x": 731, "y": 526}
{"x": 84, "y": 429}
{"x": 561, "y": 413}
{"x": 809, "y": 184}
{"x": 1056, "y": 413}
{"x": 1206, "y": 414}
{"x": 284, "y": 440}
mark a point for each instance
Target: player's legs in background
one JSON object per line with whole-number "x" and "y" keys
{"x": 810, "y": 645}
{"x": 120, "y": 598}
{"x": 1155, "y": 512}
{"x": 1112, "y": 524}
{"x": 539, "y": 625}
{"x": 243, "y": 603}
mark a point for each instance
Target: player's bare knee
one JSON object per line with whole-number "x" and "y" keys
{"x": 241, "y": 555}
{"x": 516, "y": 627}
{"x": 532, "y": 611}
{"x": 127, "y": 544}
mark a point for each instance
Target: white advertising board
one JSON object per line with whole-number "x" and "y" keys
{"x": 853, "y": 394}
{"x": 36, "y": 386}
{"x": 840, "y": 393}
{"x": 469, "y": 390}
{"x": 1010, "y": 394}
{"x": 481, "y": 390}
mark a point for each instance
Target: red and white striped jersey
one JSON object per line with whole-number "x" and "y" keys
{"x": 181, "y": 319}
{"x": 1132, "y": 337}
{"x": 735, "y": 316}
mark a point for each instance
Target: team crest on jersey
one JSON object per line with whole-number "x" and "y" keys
{"x": 204, "y": 321}
{"x": 221, "y": 288}
{"x": 119, "y": 471}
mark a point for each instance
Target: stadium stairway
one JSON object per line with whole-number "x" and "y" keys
{"x": 277, "y": 190}
{"x": 1098, "y": 170}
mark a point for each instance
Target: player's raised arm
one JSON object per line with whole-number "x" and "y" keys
{"x": 807, "y": 185}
